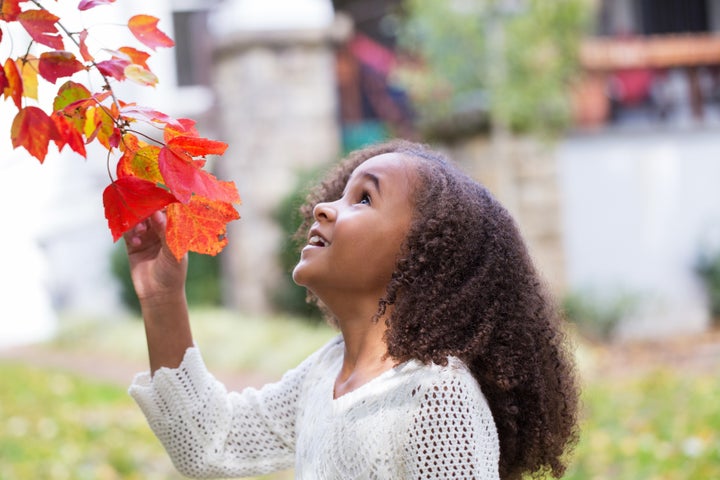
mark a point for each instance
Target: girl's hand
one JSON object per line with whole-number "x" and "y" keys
{"x": 155, "y": 272}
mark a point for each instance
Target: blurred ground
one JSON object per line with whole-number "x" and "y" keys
{"x": 107, "y": 367}
{"x": 694, "y": 354}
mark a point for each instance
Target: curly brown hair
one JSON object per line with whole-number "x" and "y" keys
{"x": 464, "y": 285}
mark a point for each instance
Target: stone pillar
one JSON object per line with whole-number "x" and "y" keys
{"x": 277, "y": 110}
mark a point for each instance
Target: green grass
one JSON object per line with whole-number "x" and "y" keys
{"x": 56, "y": 426}
{"x": 664, "y": 424}
{"x": 659, "y": 424}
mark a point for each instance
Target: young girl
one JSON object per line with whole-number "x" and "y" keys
{"x": 451, "y": 361}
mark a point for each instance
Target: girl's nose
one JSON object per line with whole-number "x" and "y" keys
{"x": 324, "y": 211}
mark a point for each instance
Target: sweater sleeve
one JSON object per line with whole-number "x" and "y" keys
{"x": 452, "y": 433}
{"x": 210, "y": 433}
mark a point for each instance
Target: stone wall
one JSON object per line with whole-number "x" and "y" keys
{"x": 277, "y": 107}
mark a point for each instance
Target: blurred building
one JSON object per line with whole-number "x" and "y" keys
{"x": 625, "y": 201}
{"x": 652, "y": 61}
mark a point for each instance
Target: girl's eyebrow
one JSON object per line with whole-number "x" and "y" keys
{"x": 369, "y": 176}
{"x": 374, "y": 179}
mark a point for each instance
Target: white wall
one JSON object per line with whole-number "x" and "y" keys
{"x": 55, "y": 243}
{"x": 637, "y": 209}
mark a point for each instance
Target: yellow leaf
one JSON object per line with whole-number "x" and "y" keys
{"x": 140, "y": 75}
{"x": 28, "y": 69}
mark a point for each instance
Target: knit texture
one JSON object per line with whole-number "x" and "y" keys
{"x": 414, "y": 422}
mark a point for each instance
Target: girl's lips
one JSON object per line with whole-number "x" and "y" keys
{"x": 318, "y": 241}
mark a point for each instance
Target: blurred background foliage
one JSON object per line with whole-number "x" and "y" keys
{"x": 203, "y": 280}
{"x": 471, "y": 59}
{"x": 289, "y": 297}
{"x": 708, "y": 269}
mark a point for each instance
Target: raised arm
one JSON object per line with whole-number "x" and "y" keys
{"x": 159, "y": 281}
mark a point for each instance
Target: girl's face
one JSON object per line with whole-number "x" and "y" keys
{"x": 355, "y": 240}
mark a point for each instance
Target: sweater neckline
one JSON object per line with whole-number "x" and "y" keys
{"x": 372, "y": 384}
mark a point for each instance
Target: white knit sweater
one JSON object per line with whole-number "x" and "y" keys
{"x": 411, "y": 422}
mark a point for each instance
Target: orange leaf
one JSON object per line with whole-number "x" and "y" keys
{"x": 32, "y": 129}
{"x": 68, "y": 134}
{"x": 144, "y": 27}
{"x": 185, "y": 179}
{"x": 142, "y": 163}
{"x": 10, "y": 10}
{"x": 14, "y": 88}
{"x": 57, "y": 64}
{"x": 130, "y": 200}
{"x": 40, "y": 24}
{"x": 138, "y": 57}
{"x": 186, "y": 127}
{"x": 199, "y": 226}
{"x": 198, "y": 147}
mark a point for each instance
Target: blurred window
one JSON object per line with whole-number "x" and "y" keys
{"x": 192, "y": 47}
{"x": 674, "y": 16}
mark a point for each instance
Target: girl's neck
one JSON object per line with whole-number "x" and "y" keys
{"x": 365, "y": 355}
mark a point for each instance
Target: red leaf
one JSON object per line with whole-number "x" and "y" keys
{"x": 147, "y": 114}
{"x": 14, "y": 88}
{"x": 40, "y": 24}
{"x": 199, "y": 226}
{"x": 84, "y": 52}
{"x": 144, "y": 27}
{"x": 10, "y": 10}
{"x": 32, "y": 129}
{"x": 186, "y": 127}
{"x": 198, "y": 147}
{"x": 185, "y": 179}
{"x": 57, "y": 64}
{"x": 115, "y": 67}
{"x": 68, "y": 134}
{"x": 3, "y": 81}
{"x": 88, "y": 4}
{"x": 130, "y": 200}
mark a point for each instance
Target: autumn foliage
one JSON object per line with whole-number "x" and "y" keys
{"x": 166, "y": 172}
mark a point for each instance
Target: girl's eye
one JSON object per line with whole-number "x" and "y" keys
{"x": 364, "y": 199}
